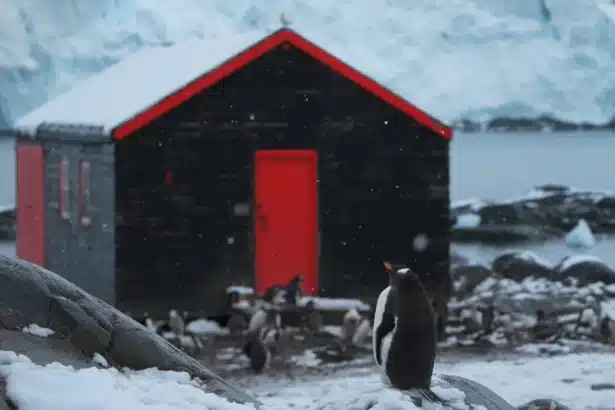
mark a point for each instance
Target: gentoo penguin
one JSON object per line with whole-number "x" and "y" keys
{"x": 384, "y": 319}
{"x": 292, "y": 290}
{"x": 363, "y": 331}
{"x": 260, "y": 347}
{"x": 176, "y": 324}
{"x": 312, "y": 318}
{"x": 264, "y": 318}
{"x": 587, "y": 320}
{"x": 408, "y": 350}
{"x": 350, "y": 323}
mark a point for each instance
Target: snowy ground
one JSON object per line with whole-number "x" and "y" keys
{"x": 54, "y": 387}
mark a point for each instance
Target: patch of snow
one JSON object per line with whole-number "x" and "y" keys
{"x": 100, "y": 360}
{"x": 473, "y": 204}
{"x": 580, "y": 236}
{"x": 544, "y": 348}
{"x": 55, "y": 387}
{"x": 577, "y": 259}
{"x": 333, "y": 303}
{"x": 608, "y": 308}
{"x": 467, "y": 221}
{"x": 241, "y": 290}
{"x": 37, "y": 330}
{"x": 204, "y": 326}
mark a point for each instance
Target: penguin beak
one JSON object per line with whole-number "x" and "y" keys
{"x": 388, "y": 266}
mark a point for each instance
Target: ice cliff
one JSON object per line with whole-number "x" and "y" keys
{"x": 474, "y": 59}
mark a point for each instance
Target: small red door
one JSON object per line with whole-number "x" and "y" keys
{"x": 31, "y": 203}
{"x": 286, "y": 218}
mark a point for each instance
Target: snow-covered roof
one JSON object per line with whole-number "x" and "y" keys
{"x": 135, "y": 83}
{"x": 131, "y": 88}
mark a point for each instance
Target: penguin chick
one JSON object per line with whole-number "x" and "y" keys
{"x": 362, "y": 332}
{"x": 313, "y": 321}
{"x": 264, "y": 318}
{"x": 258, "y": 354}
{"x": 176, "y": 323}
{"x": 236, "y": 323}
{"x": 350, "y": 323}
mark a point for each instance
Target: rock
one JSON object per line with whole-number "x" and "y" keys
{"x": 543, "y": 404}
{"x": 32, "y": 294}
{"x": 72, "y": 322}
{"x": 466, "y": 278}
{"x": 602, "y": 386}
{"x": 503, "y": 234}
{"x": 520, "y": 265}
{"x": 585, "y": 269}
{"x": 5, "y": 402}
{"x": 476, "y": 393}
{"x": 501, "y": 214}
{"x": 23, "y": 294}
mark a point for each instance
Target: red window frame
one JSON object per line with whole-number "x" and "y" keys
{"x": 85, "y": 193}
{"x": 64, "y": 189}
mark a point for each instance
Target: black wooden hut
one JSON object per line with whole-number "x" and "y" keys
{"x": 183, "y": 170}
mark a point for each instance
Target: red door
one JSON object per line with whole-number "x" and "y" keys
{"x": 31, "y": 203}
{"x": 286, "y": 218}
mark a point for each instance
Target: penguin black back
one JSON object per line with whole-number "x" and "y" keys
{"x": 412, "y": 353}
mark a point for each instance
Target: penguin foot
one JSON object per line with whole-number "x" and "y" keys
{"x": 429, "y": 395}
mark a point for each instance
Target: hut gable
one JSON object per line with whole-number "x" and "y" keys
{"x": 146, "y": 85}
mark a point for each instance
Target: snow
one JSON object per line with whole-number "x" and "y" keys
{"x": 468, "y": 221}
{"x": 204, "y": 326}
{"x": 137, "y": 82}
{"x": 37, "y": 330}
{"x": 241, "y": 290}
{"x": 566, "y": 378}
{"x": 580, "y": 236}
{"x": 436, "y": 53}
{"x": 322, "y": 303}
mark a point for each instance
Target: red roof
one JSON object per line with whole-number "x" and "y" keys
{"x": 282, "y": 36}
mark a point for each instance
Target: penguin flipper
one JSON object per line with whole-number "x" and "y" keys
{"x": 386, "y": 326}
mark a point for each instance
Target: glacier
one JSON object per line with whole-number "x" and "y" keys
{"x": 457, "y": 59}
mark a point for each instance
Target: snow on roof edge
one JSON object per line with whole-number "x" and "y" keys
{"x": 107, "y": 111}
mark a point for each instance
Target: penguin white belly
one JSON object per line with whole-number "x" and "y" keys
{"x": 378, "y": 314}
{"x": 386, "y": 346}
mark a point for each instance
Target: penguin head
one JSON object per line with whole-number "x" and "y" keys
{"x": 391, "y": 268}
{"x": 407, "y": 280}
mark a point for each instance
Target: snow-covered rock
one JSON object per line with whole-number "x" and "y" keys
{"x": 581, "y": 236}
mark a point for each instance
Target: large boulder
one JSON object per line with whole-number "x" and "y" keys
{"x": 519, "y": 265}
{"x": 585, "y": 269}
{"x": 543, "y": 404}
{"x": 32, "y": 295}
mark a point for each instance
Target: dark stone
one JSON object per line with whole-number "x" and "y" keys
{"x": 602, "y": 386}
{"x": 543, "y": 404}
{"x": 586, "y": 271}
{"x": 476, "y": 393}
{"x": 606, "y": 203}
{"x": 520, "y": 265}
{"x": 73, "y": 323}
{"x": 501, "y": 214}
{"x": 5, "y": 402}
{"x": 23, "y": 290}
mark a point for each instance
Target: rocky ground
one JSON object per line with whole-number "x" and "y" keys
{"x": 546, "y": 212}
